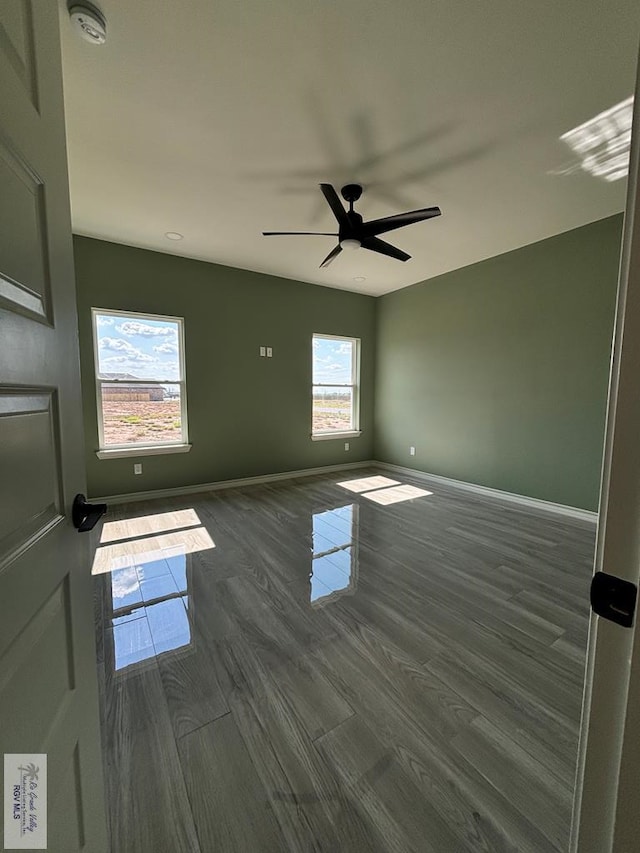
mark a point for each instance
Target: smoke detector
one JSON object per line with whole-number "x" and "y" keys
{"x": 89, "y": 22}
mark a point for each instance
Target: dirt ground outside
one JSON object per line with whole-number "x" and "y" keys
{"x": 332, "y": 413}
{"x": 149, "y": 422}
{"x": 141, "y": 422}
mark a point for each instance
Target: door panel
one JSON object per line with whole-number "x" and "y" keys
{"x": 31, "y": 487}
{"x": 48, "y": 684}
{"x": 24, "y": 277}
{"x": 16, "y": 45}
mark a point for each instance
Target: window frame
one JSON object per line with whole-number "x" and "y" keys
{"x": 355, "y": 430}
{"x": 113, "y": 451}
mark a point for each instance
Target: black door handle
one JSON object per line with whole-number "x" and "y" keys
{"x": 613, "y": 598}
{"x": 85, "y": 515}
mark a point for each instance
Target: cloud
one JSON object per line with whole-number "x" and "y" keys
{"x": 344, "y": 348}
{"x": 104, "y": 321}
{"x": 332, "y": 366}
{"x": 127, "y": 359}
{"x": 133, "y": 328}
{"x": 116, "y": 345}
{"x": 124, "y": 583}
{"x": 127, "y": 351}
{"x": 167, "y": 346}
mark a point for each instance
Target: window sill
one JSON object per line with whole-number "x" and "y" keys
{"x": 149, "y": 450}
{"x": 326, "y": 436}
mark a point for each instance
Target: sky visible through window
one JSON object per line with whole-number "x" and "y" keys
{"x": 331, "y": 361}
{"x": 141, "y": 348}
{"x": 332, "y": 370}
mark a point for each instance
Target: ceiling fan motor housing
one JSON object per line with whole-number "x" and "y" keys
{"x": 351, "y": 192}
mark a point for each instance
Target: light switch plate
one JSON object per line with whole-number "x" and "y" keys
{"x": 269, "y": 352}
{"x": 263, "y": 351}
{"x": 137, "y": 468}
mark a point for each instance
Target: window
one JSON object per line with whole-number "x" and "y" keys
{"x": 336, "y": 403}
{"x": 140, "y": 383}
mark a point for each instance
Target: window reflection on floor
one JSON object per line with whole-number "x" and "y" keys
{"x": 149, "y": 601}
{"x": 147, "y": 581}
{"x": 334, "y": 563}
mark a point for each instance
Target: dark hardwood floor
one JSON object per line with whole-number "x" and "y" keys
{"x": 339, "y": 672}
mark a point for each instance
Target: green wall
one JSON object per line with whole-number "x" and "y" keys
{"x": 247, "y": 415}
{"x": 497, "y": 373}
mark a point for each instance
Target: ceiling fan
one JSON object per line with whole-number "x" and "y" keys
{"x": 353, "y": 233}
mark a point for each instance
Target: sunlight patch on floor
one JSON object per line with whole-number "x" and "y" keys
{"x": 122, "y": 554}
{"x": 383, "y": 491}
{"x": 396, "y": 494}
{"x": 144, "y": 525}
{"x": 136, "y": 540}
{"x": 365, "y": 484}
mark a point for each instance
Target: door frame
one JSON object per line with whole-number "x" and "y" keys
{"x": 609, "y": 750}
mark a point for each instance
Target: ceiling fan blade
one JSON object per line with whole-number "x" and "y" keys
{"x": 399, "y": 220}
{"x": 335, "y": 204}
{"x": 375, "y": 245}
{"x": 332, "y": 254}
{"x": 283, "y": 233}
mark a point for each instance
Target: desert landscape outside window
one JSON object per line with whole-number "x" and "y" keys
{"x": 336, "y": 367}
{"x": 140, "y": 379}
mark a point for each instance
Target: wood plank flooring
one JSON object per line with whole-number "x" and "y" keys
{"x": 337, "y": 674}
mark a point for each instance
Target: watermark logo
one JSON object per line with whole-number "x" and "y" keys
{"x": 30, "y": 771}
{"x": 25, "y": 802}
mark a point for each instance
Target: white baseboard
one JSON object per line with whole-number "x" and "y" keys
{"x": 497, "y": 494}
{"x": 227, "y": 484}
{"x": 436, "y": 479}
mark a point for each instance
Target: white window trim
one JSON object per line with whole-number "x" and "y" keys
{"x": 355, "y": 430}
{"x": 115, "y": 451}
{"x": 327, "y": 436}
{"x": 142, "y": 450}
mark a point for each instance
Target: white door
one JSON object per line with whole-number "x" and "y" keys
{"x": 48, "y": 684}
{"x": 607, "y": 803}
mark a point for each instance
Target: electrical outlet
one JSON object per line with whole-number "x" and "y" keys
{"x": 412, "y": 451}
{"x": 137, "y": 468}
{"x": 346, "y": 445}
{"x": 269, "y": 352}
{"x": 263, "y": 351}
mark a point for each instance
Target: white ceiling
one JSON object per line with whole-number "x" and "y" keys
{"x": 218, "y": 120}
